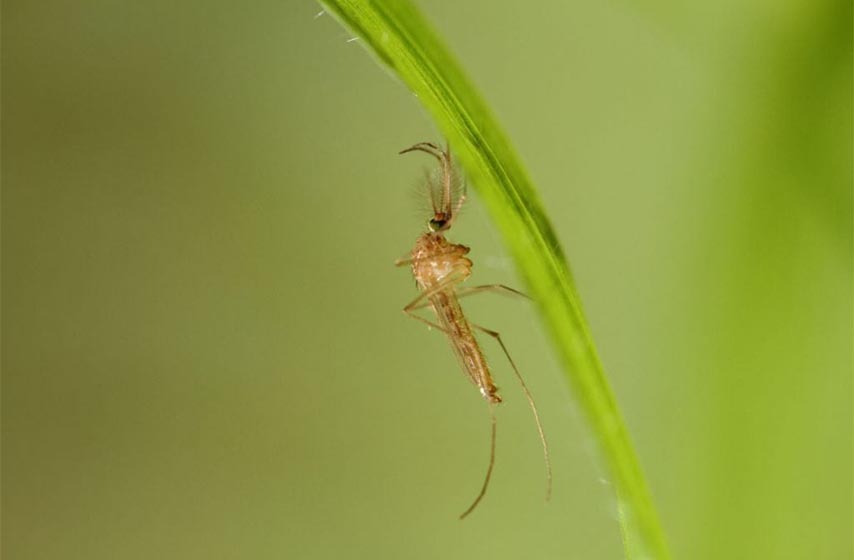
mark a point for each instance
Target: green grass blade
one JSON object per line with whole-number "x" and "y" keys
{"x": 401, "y": 38}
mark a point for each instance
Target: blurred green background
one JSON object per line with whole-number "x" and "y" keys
{"x": 203, "y": 354}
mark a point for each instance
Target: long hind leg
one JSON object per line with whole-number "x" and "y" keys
{"x": 488, "y": 476}
{"x": 418, "y": 303}
{"x": 533, "y": 406}
{"x": 482, "y": 493}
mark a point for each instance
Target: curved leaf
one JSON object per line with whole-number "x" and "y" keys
{"x": 402, "y": 39}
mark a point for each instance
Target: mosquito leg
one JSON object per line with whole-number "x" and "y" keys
{"x": 427, "y": 322}
{"x": 445, "y": 284}
{"x": 423, "y": 300}
{"x": 497, "y": 288}
{"x": 483, "y": 488}
{"x": 404, "y": 261}
{"x": 533, "y": 406}
{"x": 464, "y": 292}
{"x": 418, "y": 303}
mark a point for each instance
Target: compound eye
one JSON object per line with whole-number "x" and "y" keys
{"x": 436, "y": 224}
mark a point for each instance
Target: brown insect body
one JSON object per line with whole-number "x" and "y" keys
{"x": 438, "y": 266}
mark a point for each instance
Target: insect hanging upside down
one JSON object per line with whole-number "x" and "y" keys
{"x": 439, "y": 267}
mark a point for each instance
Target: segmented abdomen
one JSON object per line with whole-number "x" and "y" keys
{"x": 450, "y": 314}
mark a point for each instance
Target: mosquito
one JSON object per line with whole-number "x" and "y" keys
{"x": 439, "y": 267}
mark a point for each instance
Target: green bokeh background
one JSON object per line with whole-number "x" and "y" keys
{"x": 203, "y": 354}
